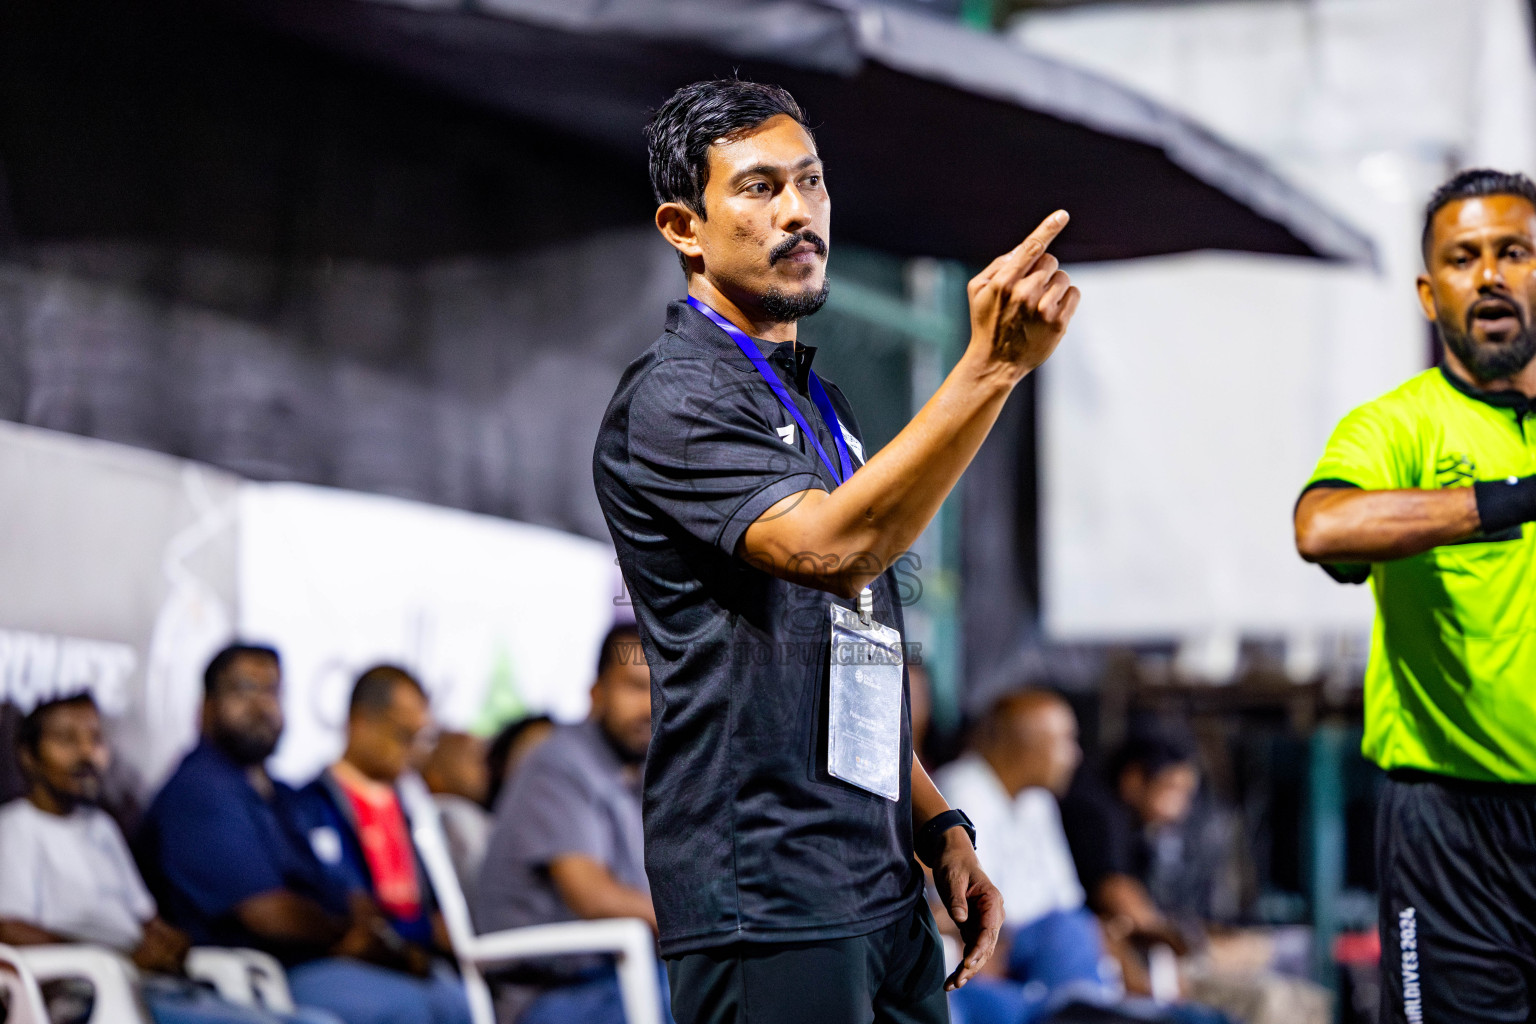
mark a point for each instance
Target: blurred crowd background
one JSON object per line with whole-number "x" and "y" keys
{"x": 309, "y": 312}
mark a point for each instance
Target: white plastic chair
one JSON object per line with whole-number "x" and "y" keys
{"x": 112, "y": 976}
{"x": 245, "y": 977}
{"x": 628, "y": 939}
{"x": 24, "y": 1000}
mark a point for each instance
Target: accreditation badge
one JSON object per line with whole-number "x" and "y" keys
{"x": 864, "y": 720}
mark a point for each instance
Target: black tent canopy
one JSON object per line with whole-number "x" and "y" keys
{"x": 940, "y": 140}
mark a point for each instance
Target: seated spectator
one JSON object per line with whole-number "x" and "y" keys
{"x": 459, "y": 779}
{"x": 1129, "y": 842}
{"x": 68, "y": 876}
{"x": 1025, "y": 753}
{"x": 357, "y": 826}
{"x": 1114, "y": 827}
{"x": 510, "y": 749}
{"x": 568, "y": 844}
{"x": 221, "y": 851}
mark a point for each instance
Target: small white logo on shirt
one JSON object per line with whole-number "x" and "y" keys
{"x": 786, "y": 433}
{"x": 326, "y": 843}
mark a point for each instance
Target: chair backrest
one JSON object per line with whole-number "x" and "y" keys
{"x": 23, "y": 1000}
{"x": 628, "y": 939}
{"x": 432, "y": 846}
{"x": 245, "y": 977}
{"x": 113, "y": 978}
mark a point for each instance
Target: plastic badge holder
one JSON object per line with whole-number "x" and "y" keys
{"x": 864, "y": 724}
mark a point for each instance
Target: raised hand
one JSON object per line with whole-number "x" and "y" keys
{"x": 1022, "y": 302}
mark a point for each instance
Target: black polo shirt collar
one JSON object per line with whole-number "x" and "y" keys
{"x": 792, "y": 362}
{"x": 1511, "y": 399}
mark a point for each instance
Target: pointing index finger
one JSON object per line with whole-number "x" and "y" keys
{"x": 1040, "y": 239}
{"x": 1019, "y": 260}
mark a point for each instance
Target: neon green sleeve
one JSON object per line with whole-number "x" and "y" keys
{"x": 1371, "y": 448}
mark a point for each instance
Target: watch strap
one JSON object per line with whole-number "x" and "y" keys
{"x": 929, "y": 841}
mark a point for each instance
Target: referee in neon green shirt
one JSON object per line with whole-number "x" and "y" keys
{"x": 1427, "y": 492}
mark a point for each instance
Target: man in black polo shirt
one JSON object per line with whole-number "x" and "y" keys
{"x": 757, "y": 544}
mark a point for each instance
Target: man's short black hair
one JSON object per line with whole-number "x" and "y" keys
{"x": 1474, "y": 184}
{"x": 695, "y": 118}
{"x": 1154, "y": 750}
{"x": 374, "y": 690}
{"x": 224, "y": 659}
{"x": 620, "y": 646}
{"x": 29, "y": 735}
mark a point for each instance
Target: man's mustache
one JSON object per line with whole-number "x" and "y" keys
{"x": 1494, "y": 302}
{"x": 787, "y": 246}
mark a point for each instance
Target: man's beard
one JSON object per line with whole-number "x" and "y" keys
{"x": 628, "y": 752}
{"x": 1489, "y": 361}
{"x": 786, "y": 309}
{"x": 244, "y": 748}
{"x": 87, "y": 794}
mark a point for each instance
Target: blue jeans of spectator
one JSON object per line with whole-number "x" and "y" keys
{"x": 1061, "y": 949}
{"x": 593, "y": 1000}
{"x": 177, "y": 1001}
{"x": 995, "y": 1001}
{"x": 362, "y": 993}
{"x": 987, "y": 1000}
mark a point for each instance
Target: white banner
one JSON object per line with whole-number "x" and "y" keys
{"x": 124, "y": 571}
{"x": 119, "y": 578}
{"x": 495, "y": 617}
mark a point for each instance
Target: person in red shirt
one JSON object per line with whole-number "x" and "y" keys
{"x": 358, "y": 827}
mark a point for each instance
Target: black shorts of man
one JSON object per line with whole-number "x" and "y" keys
{"x": 1427, "y": 492}
{"x": 746, "y": 519}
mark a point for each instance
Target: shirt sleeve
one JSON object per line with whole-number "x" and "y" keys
{"x": 704, "y": 454}
{"x": 213, "y": 853}
{"x": 1370, "y": 449}
{"x": 19, "y": 888}
{"x": 557, "y": 815}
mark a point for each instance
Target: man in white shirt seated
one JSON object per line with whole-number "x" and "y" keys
{"x": 66, "y": 874}
{"x": 1023, "y": 756}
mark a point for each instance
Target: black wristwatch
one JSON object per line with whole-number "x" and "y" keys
{"x": 929, "y": 841}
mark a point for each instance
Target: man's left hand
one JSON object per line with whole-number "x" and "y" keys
{"x": 972, "y": 901}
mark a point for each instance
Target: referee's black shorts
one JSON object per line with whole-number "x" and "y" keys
{"x": 892, "y": 976}
{"x": 1457, "y": 869}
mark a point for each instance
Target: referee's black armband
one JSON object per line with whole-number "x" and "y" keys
{"x": 1502, "y": 504}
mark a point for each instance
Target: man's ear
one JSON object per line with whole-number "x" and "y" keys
{"x": 1427, "y": 298}
{"x": 680, "y": 227}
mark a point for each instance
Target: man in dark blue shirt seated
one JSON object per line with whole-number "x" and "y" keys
{"x": 357, "y": 824}
{"x": 228, "y": 865}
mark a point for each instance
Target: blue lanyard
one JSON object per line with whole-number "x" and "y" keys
{"x": 818, "y": 393}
